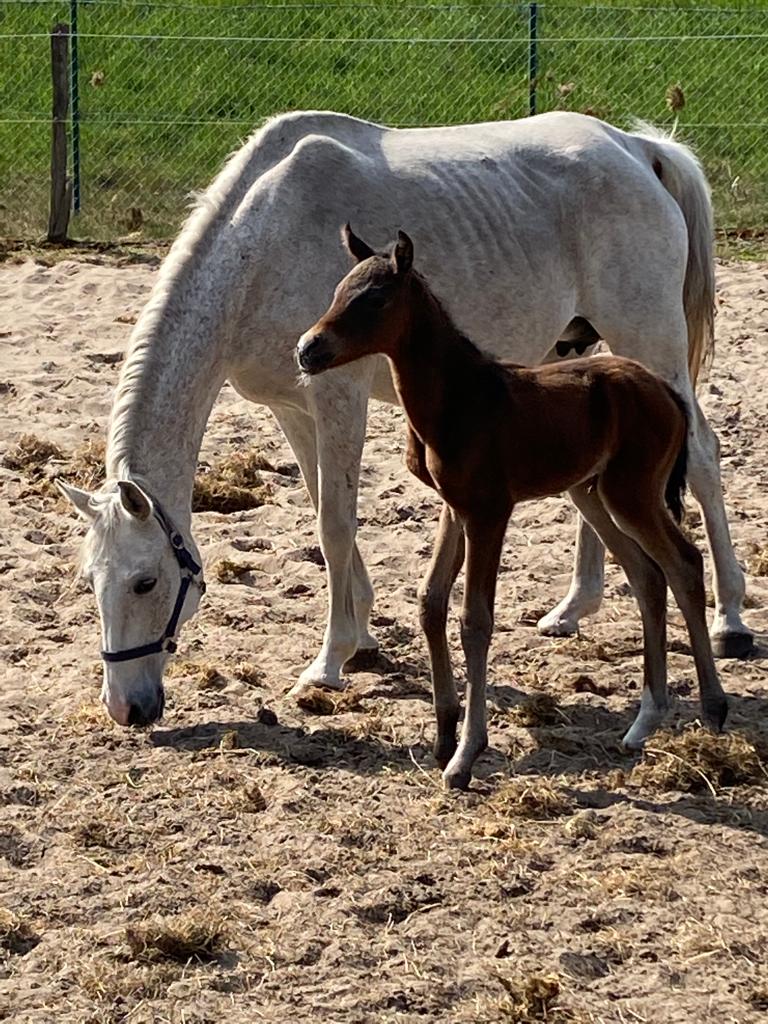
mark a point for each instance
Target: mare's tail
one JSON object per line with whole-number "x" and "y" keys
{"x": 680, "y": 173}
{"x": 675, "y": 489}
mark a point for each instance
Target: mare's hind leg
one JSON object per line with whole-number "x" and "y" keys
{"x": 484, "y": 540}
{"x": 647, "y": 521}
{"x": 650, "y": 589}
{"x": 434, "y": 592}
{"x": 659, "y": 340}
{"x": 586, "y": 590}
{"x": 730, "y": 637}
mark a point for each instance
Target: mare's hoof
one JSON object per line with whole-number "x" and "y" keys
{"x": 307, "y": 683}
{"x": 365, "y": 659}
{"x": 553, "y": 625}
{"x": 457, "y": 779}
{"x": 733, "y": 645}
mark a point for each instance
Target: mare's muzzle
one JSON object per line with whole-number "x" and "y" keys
{"x": 314, "y": 353}
{"x": 147, "y": 710}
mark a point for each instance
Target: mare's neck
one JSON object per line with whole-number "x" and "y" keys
{"x": 174, "y": 370}
{"x": 433, "y": 364}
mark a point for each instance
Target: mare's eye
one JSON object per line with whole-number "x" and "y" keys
{"x": 144, "y": 586}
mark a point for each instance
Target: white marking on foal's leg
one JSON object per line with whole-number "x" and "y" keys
{"x": 586, "y": 591}
{"x": 648, "y": 720}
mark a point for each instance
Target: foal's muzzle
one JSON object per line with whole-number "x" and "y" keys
{"x": 313, "y": 353}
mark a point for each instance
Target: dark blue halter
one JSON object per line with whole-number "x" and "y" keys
{"x": 191, "y": 573}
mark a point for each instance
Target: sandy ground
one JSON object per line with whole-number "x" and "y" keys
{"x": 344, "y": 884}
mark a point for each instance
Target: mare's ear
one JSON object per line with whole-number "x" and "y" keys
{"x": 355, "y": 246}
{"x": 80, "y": 499}
{"x": 135, "y": 502}
{"x": 402, "y": 253}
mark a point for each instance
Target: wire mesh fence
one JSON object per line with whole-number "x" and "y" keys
{"x": 161, "y": 92}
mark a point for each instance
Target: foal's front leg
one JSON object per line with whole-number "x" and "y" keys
{"x": 434, "y": 592}
{"x": 484, "y": 540}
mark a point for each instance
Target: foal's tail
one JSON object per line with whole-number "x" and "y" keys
{"x": 678, "y": 170}
{"x": 675, "y": 489}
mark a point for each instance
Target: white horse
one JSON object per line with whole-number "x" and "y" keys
{"x": 559, "y": 216}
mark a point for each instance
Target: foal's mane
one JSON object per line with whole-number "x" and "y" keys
{"x": 442, "y": 324}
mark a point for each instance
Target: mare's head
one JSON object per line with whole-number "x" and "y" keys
{"x": 135, "y": 563}
{"x": 370, "y": 307}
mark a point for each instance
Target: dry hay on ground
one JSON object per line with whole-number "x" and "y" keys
{"x": 697, "y": 759}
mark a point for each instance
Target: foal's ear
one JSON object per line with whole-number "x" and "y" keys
{"x": 135, "y": 502}
{"x": 355, "y": 246}
{"x": 402, "y": 253}
{"x": 80, "y": 499}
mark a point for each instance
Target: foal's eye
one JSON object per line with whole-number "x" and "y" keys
{"x": 374, "y": 299}
{"x": 144, "y": 586}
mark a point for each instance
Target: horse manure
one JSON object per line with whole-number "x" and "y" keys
{"x": 321, "y": 702}
{"x": 532, "y": 999}
{"x": 17, "y": 936}
{"x": 227, "y": 571}
{"x": 536, "y": 709}
{"x": 196, "y": 935}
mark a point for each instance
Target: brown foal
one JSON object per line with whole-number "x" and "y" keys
{"x": 486, "y": 435}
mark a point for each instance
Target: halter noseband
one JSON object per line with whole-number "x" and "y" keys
{"x": 190, "y": 571}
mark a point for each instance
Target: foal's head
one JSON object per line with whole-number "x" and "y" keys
{"x": 369, "y": 310}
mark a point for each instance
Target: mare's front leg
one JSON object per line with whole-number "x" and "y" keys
{"x": 299, "y": 429}
{"x": 434, "y": 592}
{"x": 586, "y": 591}
{"x": 484, "y": 539}
{"x": 338, "y": 402}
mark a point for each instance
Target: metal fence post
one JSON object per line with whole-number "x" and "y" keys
{"x": 74, "y": 75}
{"x": 533, "y": 56}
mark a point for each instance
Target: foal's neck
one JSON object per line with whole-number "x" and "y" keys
{"x": 433, "y": 365}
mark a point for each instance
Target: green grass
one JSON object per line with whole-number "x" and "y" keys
{"x": 160, "y": 114}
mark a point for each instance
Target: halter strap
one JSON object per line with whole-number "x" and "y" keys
{"x": 190, "y": 571}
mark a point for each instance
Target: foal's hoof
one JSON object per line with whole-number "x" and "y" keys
{"x": 443, "y": 751}
{"x": 733, "y": 645}
{"x": 457, "y": 778}
{"x": 714, "y": 712}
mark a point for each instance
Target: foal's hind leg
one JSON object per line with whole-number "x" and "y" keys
{"x": 648, "y": 522}
{"x": 484, "y": 540}
{"x": 586, "y": 590}
{"x": 650, "y": 589}
{"x": 434, "y": 592}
